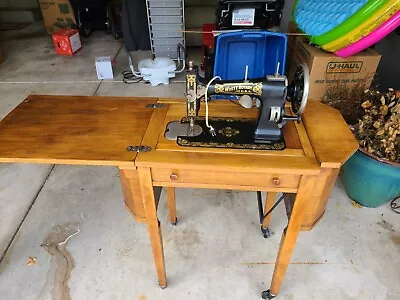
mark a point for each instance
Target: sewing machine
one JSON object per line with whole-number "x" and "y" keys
{"x": 270, "y": 95}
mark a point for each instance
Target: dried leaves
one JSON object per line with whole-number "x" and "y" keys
{"x": 378, "y": 129}
{"x": 346, "y": 99}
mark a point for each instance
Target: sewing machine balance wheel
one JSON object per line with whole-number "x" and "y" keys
{"x": 299, "y": 88}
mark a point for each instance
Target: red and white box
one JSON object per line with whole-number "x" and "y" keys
{"x": 67, "y": 41}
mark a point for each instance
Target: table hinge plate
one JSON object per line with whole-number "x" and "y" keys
{"x": 156, "y": 105}
{"x": 138, "y": 148}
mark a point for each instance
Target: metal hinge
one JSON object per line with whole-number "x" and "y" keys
{"x": 138, "y": 148}
{"x": 156, "y": 105}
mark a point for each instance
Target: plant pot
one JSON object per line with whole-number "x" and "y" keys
{"x": 369, "y": 180}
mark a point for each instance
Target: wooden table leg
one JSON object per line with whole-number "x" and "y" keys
{"x": 153, "y": 224}
{"x": 132, "y": 194}
{"x": 172, "y": 205}
{"x": 289, "y": 235}
{"x": 269, "y": 202}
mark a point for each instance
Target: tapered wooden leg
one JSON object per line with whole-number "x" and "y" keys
{"x": 289, "y": 236}
{"x": 269, "y": 202}
{"x": 171, "y": 205}
{"x": 132, "y": 194}
{"x": 153, "y": 224}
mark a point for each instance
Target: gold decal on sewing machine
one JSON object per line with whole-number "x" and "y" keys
{"x": 191, "y": 95}
{"x": 240, "y": 88}
{"x": 228, "y": 131}
{"x": 191, "y": 79}
{"x": 188, "y": 143}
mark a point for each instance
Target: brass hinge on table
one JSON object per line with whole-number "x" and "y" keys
{"x": 138, "y": 148}
{"x": 156, "y": 105}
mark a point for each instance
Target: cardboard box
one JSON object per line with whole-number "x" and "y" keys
{"x": 104, "y": 67}
{"x": 67, "y": 41}
{"x": 57, "y": 14}
{"x": 327, "y": 71}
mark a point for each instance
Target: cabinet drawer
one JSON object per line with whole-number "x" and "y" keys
{"x": 169, "y": 49}
{"x": 166, "y": 19}
{"x": 165, "y": 11}
{"x": 167, "y": 42}
{"x": 167, "y": 34}
{"x": 167, "y": 3}
{"x": 171, "y": 55}
{"x": 167, "y": 27}
{"x": 171, "y": 176}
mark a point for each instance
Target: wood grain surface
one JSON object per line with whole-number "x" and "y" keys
{"x": 290, "y": 233}
{"x": 331, "y": 139}
{"x": 74, "y": 130}
{"x": 153, "y": 224}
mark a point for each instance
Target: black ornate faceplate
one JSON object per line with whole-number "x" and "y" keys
{"x": 230, "y": 133}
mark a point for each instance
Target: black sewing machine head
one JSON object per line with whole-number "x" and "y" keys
{"x": 271, "y": 94}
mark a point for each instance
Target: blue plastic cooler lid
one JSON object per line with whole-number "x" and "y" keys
{"x": 259, "y": 50}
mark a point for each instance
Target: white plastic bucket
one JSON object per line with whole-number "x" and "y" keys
{"x": 157, "y": 71}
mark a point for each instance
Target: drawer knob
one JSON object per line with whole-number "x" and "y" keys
{"x": 276, "y": 181}
{"x": 174, "y": 176}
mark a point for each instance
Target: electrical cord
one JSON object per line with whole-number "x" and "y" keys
{"x": 272, "y": 208}
{"x": 211, "y": 129}
{"x": 129, "y": 77}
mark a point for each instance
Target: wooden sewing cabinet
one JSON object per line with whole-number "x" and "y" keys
{"x": 100, "y": 130}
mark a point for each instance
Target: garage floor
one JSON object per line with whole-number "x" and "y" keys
{"x": 215, "y": 252}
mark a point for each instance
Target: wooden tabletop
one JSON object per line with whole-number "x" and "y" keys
{"x": 332, "y": 141}
{"x": 74, "y": 130}
{"x": 97, "y": 130}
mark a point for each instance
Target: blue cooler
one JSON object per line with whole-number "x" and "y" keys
{"x": 261, "y": 51}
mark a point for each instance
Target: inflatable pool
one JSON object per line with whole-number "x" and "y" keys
{"x": 374, "y": 37}
{"x": 390, "y": 8}
{"x": 326, "y": 21}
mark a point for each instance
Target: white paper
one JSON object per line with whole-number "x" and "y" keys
{"x": 243, "y": 17}
{"x": 75, "y": 42}
{"x": 104, "y": 67}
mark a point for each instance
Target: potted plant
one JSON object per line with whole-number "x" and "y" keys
{"x": 372, "y": 175}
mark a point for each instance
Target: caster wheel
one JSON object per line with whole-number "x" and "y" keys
{"x": 265, "y": 232}
{"x": 267, "y": 295}
{"x": 174, "y": 223}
